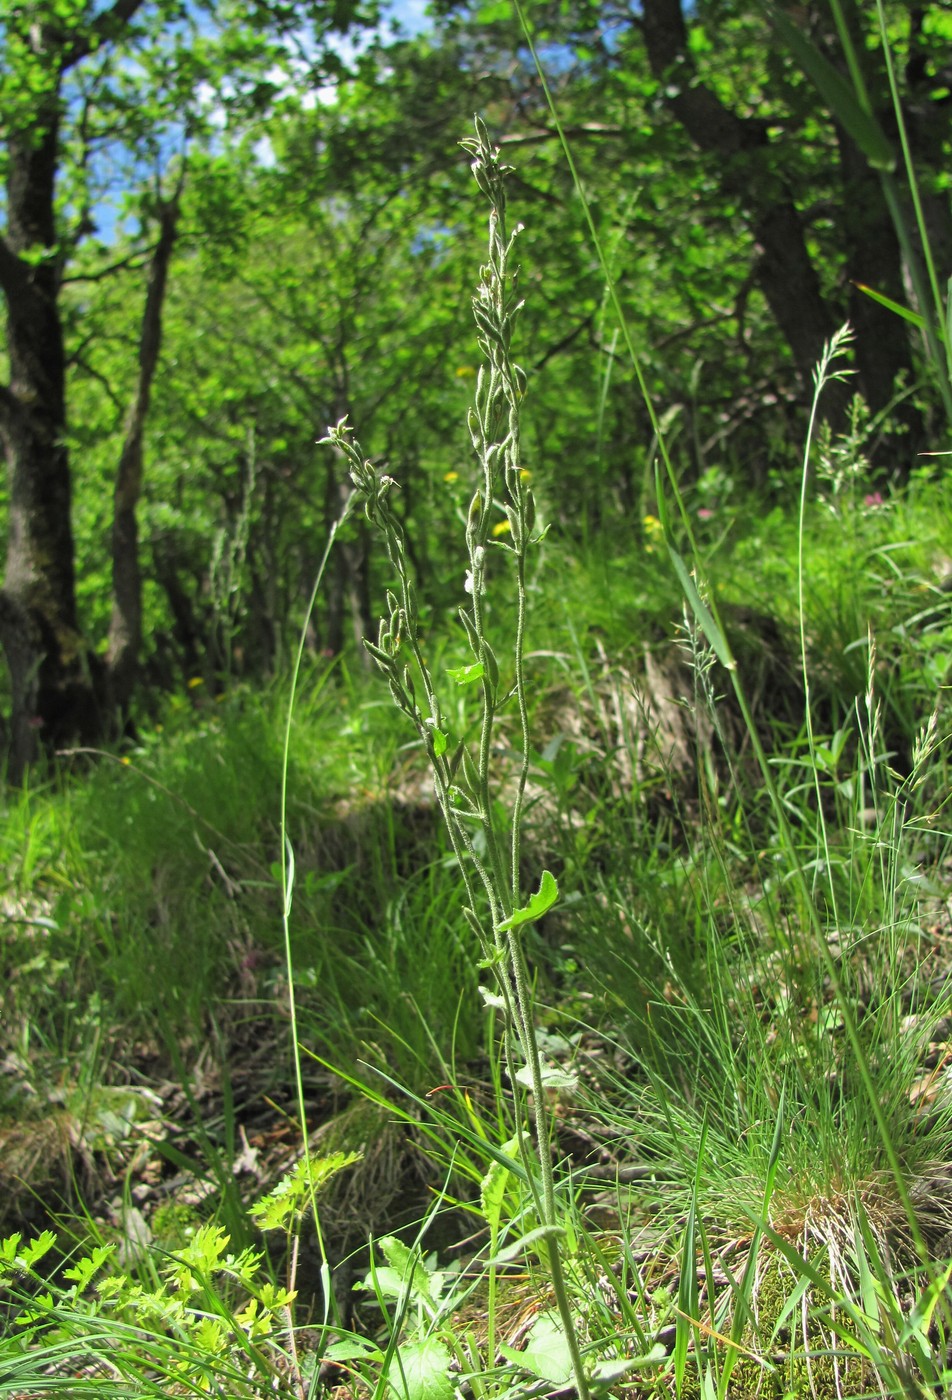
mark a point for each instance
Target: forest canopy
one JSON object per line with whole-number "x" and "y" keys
{"x": 224, "y": 229}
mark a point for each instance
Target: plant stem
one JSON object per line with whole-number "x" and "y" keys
{"x": 464, "y": 787}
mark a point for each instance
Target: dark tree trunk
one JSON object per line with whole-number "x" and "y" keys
{"x": 750, "y": 172}
{"x": 125, "y": 627}
{"x": 54, "y": 679}
{"x": 928, "y": 113}
{"x": 874, "y": 259}
{"x": 187, "y": 629}
{"x": 51, "y": 683}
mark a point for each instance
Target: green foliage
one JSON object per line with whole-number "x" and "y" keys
{"x": 206, "y": 1319}
{"x": 714, "y": 831}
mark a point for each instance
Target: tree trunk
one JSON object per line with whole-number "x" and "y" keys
{"x": 55, "y": 679}
{"x": 125, "y": 627}
{"x": 52, "y": 686}
{"x": 750, "y": 172}
{"x": 874, "y": 258}
{"x": 187, "y": 629}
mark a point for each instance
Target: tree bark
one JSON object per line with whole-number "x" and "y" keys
{"x": 49, "y": 667}
{"x": 187, "y": 629}
{"x": 751, "y": 173}
{"x": 55, "y": 690}
{"x": 874, "y": 258}
{"x": 125, "y": 627}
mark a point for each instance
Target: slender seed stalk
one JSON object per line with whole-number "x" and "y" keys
{"x": 464, "y": 783}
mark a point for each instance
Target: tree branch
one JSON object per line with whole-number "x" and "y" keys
{"x": 133, "y": 263}
{"x": 104, "y": 27}
{"x": 710, "y": 124}
{"x": 565, "y": 342}
{"x": 742, "y": 147}
{"x": 582, "y": 129}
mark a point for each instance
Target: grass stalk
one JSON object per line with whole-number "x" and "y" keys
{"x": 287, "y": 894}
{"x": 464, "y": 782}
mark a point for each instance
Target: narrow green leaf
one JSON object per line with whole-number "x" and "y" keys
{"x": 439, "y": 741}
{"x": 920, "y": 1318}
{"x": 455, "y": 761}
{"x": 702, "y": 613}
{"x": 289, "y": 880}
{"x": 836, "y": 92}
{"x": 612, "y": 1369}
{"x": 867, "y": 1283}
{"x": 381, "y": 657}
{"x": 688, "y": 1282}
{"x": 791, "y": 1308}
{"x": 519, "y": 1246}
{"x": 912, "y": 317}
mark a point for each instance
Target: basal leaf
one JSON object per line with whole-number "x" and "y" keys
{"x": 552, "y": 1077}
{"x": 546, "y": 1353}
{"x": 407, "y": 1264}
{"x": 352, "y": 1349}
{"x": 492, "y": 1188}
{"x": 421, "y": 1371}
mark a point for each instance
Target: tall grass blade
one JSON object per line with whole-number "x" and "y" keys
{"x": 835, "y": 91}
